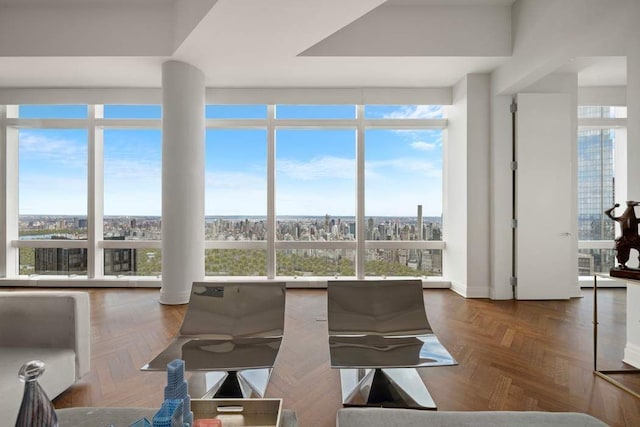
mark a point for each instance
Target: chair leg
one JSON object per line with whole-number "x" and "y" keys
{"x": 387, "y": 387}
{"x": 245, "y": 384}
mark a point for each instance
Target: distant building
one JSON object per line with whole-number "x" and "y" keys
{"x": 119, "y": 261}
{"x": 596, "y": 184}
{"x": 60, "y": 261}
{"x": 64, "y": 261}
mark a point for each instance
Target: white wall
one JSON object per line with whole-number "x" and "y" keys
{"x": 455, "y": 190}
{"x": 633, "y": 112}
{"x": 466, "y": 175}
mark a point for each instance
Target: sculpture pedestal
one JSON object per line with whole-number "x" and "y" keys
{"x": 606, "y": 374}
{"x": 632, "y": 348}
{"x": 625, "y": 273}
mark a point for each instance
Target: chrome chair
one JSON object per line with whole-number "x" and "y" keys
{"x": 229, "y": 338}
{"x": 378, "y": 335}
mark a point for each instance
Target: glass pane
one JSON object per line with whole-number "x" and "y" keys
{"x": 236, "y": 183}
{"x": 53, "y": 183}
{"x": 52, "y": 111}
{"x": 315, "y": 111}
{"x": 53, "y": 261}
{"x": 315, "y": 184}
{"x": 315, "y": 262}
{"x": 132, "y": 262}
{"x": 403, "y": 262}
{"x": 403, "y": 184}
{"x": 133, "y": 183}
{"x": 595, "y": 261}
{"x": 403, "y": 112}
{"x": 235, "y": 262}
{"x": 236, "y": 111}
{"x": 132, "y": 112}
{"x": 601, "y": 112}
{"x": 595, "y": 183}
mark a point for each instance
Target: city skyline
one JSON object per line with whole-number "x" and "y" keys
{"x": 403, "y": 168}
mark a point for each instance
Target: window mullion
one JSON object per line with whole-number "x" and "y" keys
{"x": 271, "y": 185}
{"x": 360, "y": 222}
{"x": 95, "y": 196}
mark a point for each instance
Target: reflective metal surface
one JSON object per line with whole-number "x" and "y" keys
{"x": 369, "y": 307}
{"x": 373, "y": 351}
{"x": 228, "y": 355}
{"x": 233, "y": 327}
{"x": 382, "y": 326}
{"x": 233, "y": 310}
{"x": 393, "y": 388}
{"x": 247, "y": 384}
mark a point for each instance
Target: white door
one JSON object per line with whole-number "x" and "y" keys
{"x": 543, "y": 250}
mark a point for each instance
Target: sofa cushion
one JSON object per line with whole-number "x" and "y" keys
{"x": 374, "y": 417}
{"x": 58, "y": 375}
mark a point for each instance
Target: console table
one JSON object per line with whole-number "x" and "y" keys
{"x": 631, "y": 314}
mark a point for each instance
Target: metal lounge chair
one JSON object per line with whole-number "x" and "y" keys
{"x": 229, "y": 338}
{"x": 378, "y": 335}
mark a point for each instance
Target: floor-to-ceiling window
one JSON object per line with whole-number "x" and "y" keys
{"x": 600, "y": 128}
{"x": 295, "y": 191}
{"x": 330, "y": 190}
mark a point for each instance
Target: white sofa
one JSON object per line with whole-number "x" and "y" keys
{"x": 53, "y": 326}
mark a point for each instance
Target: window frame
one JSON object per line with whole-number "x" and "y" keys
{"x": 95, "y": 124}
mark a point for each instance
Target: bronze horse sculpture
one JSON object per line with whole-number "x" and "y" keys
{"x": 629, "y": 227}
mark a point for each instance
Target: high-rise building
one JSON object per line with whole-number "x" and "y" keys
{"x": 60, "y": 261}
{"x": 53, "y": 261}
{"x": 596, "y": 184}
{"x": 119, "y": 261}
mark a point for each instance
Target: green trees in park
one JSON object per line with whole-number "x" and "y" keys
{"x": 148, "y": 262}
{"x": 235, "y": 262}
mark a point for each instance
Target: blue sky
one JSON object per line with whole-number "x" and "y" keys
{"x": 315, "y": 168}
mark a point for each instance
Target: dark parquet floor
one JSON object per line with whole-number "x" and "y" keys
{"x": 513, "y": 355}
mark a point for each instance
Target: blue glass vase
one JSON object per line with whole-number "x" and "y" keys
{"x": 36, "y": 409}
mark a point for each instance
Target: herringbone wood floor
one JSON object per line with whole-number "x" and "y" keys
{"x": 526, "y": 355}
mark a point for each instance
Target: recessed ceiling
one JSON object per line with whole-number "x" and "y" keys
{"x": 254, "y": 43}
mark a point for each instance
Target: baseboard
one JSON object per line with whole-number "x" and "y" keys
{"x": 632, "y": 355}
{"x": 470, "y": 291}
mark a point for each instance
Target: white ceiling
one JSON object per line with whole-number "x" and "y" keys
{"x": 246, "y": 43}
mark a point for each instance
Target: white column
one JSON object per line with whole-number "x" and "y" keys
{"x": 183, "y": 128}
{"x": 466, "y": 186}
{"x": 9, "y": 256}
{"x": 633, "y": 117}
{"x": 632, "y": 348}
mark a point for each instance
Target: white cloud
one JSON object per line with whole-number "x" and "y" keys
{"x": 134, "y": 170}
{"x": 234, "y": 180}
{"x": 392, "y": 168}
{"x": 423, "y": 146}
{"x": 317, "y": 168}
{"x": 416, "y": 112}
{"x": 67, "y": 152}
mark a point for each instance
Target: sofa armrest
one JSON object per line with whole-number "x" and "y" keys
{"x": 54, "y": 319}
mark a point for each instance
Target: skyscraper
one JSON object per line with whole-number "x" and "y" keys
{"x": 596, "y": 183}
